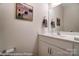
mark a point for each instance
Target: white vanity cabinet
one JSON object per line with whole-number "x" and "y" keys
{"x": 54, "y": 47}
{"x": 43, "y": 49}
{"x": 61, "y": 52}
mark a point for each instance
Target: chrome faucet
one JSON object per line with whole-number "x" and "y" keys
{"x": 58, "y": 33}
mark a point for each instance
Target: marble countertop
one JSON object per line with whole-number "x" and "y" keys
{"x": 63, "y": 37}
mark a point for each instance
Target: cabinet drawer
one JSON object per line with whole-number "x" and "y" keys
{"x": 67, "y": 45}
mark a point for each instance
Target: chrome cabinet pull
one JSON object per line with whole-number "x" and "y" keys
{"x": 48, "y": 50}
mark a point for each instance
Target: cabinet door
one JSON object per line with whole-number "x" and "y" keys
{"x": 61, "y": 52}
{"x": 56, "y": 51}
{"x": 43, "y": 49}
{"x": 76, "y": 49}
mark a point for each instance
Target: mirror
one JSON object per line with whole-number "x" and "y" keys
{"x": 65, "y": 16}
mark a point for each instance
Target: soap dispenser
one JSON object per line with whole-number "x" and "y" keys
{"x": 52, "y": 25}
{"x": 44, "y": 25}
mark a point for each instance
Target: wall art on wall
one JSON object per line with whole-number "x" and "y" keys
{"x": 24, "y": 11}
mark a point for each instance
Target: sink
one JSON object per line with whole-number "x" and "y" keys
{"x": 63, "y": 35}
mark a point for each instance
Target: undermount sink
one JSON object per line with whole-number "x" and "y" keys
{"x": 60, "y": 34}
{"x": 64, "y": 35}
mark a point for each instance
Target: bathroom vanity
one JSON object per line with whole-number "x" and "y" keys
{"x": 57, "y": 45}
{"x": 63, "y": 20}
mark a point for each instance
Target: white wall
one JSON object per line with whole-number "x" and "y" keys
{"x": 71, "y": 17}
{"x": 18, "y": 33}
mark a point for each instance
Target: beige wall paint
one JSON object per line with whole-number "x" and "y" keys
{"x": 1, "y": 30}
{"x": 18, "y": 33}
{"x": 0, "y": 33}
{"x": 71, "y": 17}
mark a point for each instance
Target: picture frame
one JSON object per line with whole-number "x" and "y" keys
{"x": 24, "y": 11}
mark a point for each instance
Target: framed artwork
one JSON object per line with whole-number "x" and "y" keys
{"x": 24, "y": 11}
